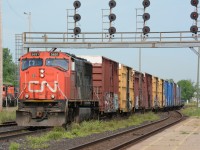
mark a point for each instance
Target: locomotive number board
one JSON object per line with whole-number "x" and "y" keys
{"x": 54, "y": 54}
{"x": 35, "y": 54}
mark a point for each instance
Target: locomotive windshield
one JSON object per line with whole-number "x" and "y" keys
{"x": 27, "y": 63}
{"x": 58, "y": 63}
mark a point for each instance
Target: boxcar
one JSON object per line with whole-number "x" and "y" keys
{"x": 138, "y": 90}
{"x": 160, "y": 92}
{"x": 126, "y": 93}
{"x": 105, "y": 82}
{"x": 178, "y": 96}
{"x": 155, "y": 101}
{"x": 148, "y": 90}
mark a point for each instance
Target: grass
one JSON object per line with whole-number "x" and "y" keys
{"x": 14, "y": 146}
{"x": 7, "y": 115}
{"x": 87, "y": 128}
{"x": 184, "y": 132}
{"x": 192, "y": 110}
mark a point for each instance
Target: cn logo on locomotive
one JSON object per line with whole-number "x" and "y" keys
{"x": 42, "y": 85}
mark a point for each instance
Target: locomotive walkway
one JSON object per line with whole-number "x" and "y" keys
{"x": 183, "y": 136}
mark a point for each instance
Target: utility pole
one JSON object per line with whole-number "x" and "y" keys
{"x": 29, "y": 22}
{"x": 198, "y": 78}
{"x": 1, "y": 58}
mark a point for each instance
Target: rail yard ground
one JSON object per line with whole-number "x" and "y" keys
{"x": 78, "y": 133}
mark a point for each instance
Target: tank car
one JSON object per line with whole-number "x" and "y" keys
{"x": 55, "y": 88}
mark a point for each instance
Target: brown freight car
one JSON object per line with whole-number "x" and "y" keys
{"x": 148, "y": 90}
{"x": 105, "y": 82}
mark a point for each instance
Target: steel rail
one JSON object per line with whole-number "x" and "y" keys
{"x": 142, "y": 137}
{"x": 19, "y": 132}
{"x": 85, "y": 146}
{"x": 8, "y": 124}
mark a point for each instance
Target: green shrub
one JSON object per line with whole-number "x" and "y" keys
{"x": 14, "y": 146}
{"x": 7, "y": 116}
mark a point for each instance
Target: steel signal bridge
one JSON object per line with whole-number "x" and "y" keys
{"x": 89, "y": 40}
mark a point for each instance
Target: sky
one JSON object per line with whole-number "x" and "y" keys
{"x": 166, "y": 15}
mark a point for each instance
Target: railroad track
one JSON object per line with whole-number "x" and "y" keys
{"x": 9, "y": 134}
{"x": 124, "y": 139}
{"x": 8, "y": 124}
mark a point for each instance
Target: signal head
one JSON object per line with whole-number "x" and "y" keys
{"x": 77, "y": 17}
{"x": 77, "y": 4}
{"x": 112, "y": 30}
{"x": 112, "y": 4}
{"x": 194, "y": 2}
{"x": 145, "y": 30}
{"x": 146, "y": 16}
{"x": 77, "y": 30}
{"x": 194, "y": 29}
{"x": 194, "y": 15}
{"x": 112, "y": 17}
{"x": 146, "y": 3}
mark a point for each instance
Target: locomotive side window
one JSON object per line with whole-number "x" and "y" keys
{"x": 27, "y": 63}
{"x": 58, "y": 63}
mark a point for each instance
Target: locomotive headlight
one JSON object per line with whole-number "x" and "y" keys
{"x": 42, "y": 71}
{"x": 52, "y": 96}
{"x": 42, "y": 75}
{"x": 26, "y": 96}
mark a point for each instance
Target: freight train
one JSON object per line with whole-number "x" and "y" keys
{"x": 8, "y": 95}
{"x": 57, "y": 88}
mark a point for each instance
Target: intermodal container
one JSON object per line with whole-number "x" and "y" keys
{"x": 105, "y": 82}
{"x": 126, "y": 93}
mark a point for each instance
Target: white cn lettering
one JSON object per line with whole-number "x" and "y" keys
{"x": 43, "y": 83}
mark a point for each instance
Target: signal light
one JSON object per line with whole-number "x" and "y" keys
{"x": 77, "y": 30}
{"x": 194, "y": 29}
{"x": 146, "y": 30}
{"x": 112, "y": 17}
{"x": 146, "y": 3}
{"x": 194, "y": 2}
{"x": 112, "y": 30}
{"x": 194, "y": 15}
{"x": 146, "y": 16}
{"x": 77, "y": 4}
{"x": 112, "y": 4}
{"x": 77, "y": 17}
